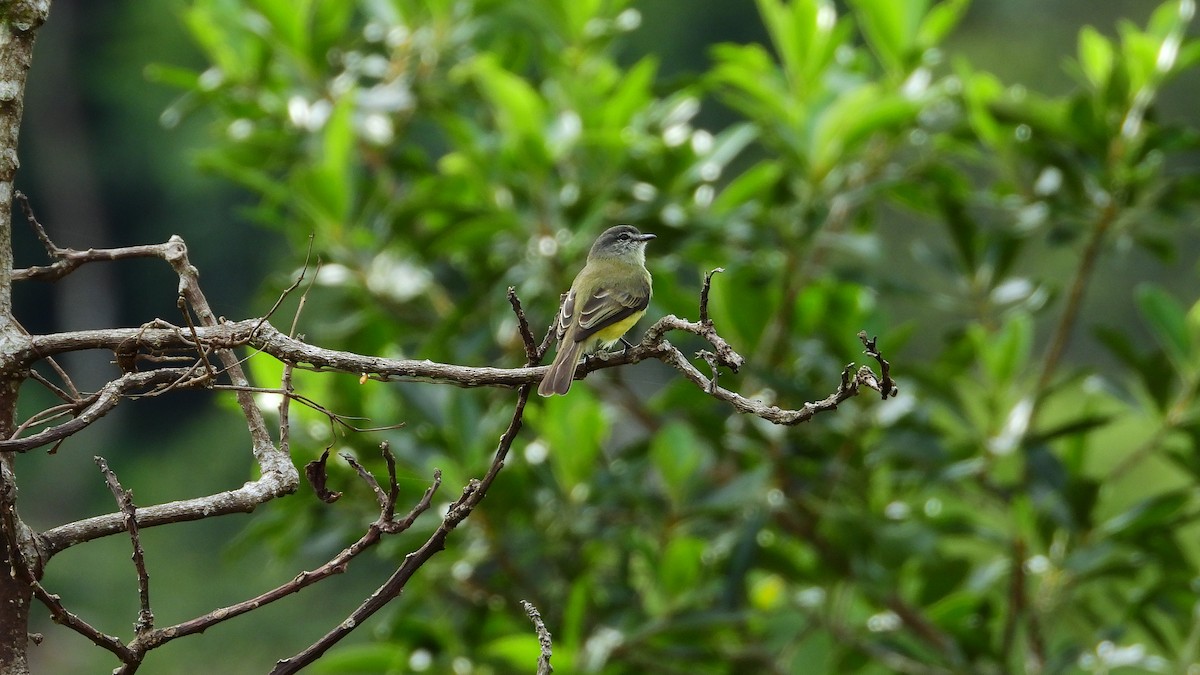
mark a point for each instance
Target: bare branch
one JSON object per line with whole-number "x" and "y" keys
{"x": 242, "y": 500}
{"x": 551, "y": 330}
{"x": 60, "y": 615}
{"x": 97, "y": 405}
{"x": 69, "y": 260}
{"x": 887, "y": 387}
{"x": 532, "y": 354}
{"x": 209, "y": 337}
{"x": 472, "y": 494}
{"x": 652, "y": 345}
{"x": 543, "y": 635}
{"x": 181, "y": 303}
{"x": 38, "y": 231}
{"x": 285, "y": 426}
{"x": 54, "y": 389}
{"x": 278, "y": 475}
{"x": 336, "y": 565}
{"x": 145, "y": 620}
{"x": 704, "y": 294}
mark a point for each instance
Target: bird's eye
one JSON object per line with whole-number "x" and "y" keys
{"x": 623, "y": 236}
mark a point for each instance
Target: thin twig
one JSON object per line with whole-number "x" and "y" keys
{"x": 181, "y": 303}
{"x": 927, "y": 631}
{"x": 389, "y": 511}
{"x": 295, "y": 284}
{"x": 532, "y": 354}
{"x": 285, "y": 427}
{"x": 704, "y": 294}
{"x": 380, "y": 495}
{"x": 337, "y": 419}
{"x": 60, "y": 615}
{"x": 54, "y": 389}
{"x": 304, "y": 300}
{"x": 887, "y": 387}
{"x": 551, "y": 331}
{"x": 38, "y": 231}
{"x": 97, "y": 405}
{"x": 66, "y": 379}
{"x": 45, "y": 416}
{"x": 145, "y": 620}
{"x": 545, "y": 646}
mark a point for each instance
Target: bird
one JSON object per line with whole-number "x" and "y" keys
{"x": 606, "y": 299}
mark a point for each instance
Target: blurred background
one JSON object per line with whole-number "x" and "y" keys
{"x": 113, "y": 154}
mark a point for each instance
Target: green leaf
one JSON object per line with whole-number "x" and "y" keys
{"x": 1193, "y": 323}
{"x": 329, "y": 182}
{"x": 519, "y": 650}
{"x": 364, "y": 658}
{"x": 633, "y": 93}
{"x": 890, "y": 27}
{"x": 748, "y": 80}
{"x": 853, "y": 118}
{"x": 1095, "y": 57}
{"x": 1005, "y": 354}
{"x": 980, "y": 91}
{"x": 1072, "y": 428}
{"x": 519, "y": 109}
{"x": 805, "y": 34}
{"x": 219, "y": 30}
{"x": 727, "y": 145}
{"x": 1156, "y": 513}
{"x": 678, "y": 453}
{"x": 791, "y": 27}
{"x": 940, "y": 20}
{"x": 575, "y": 614}
{"x": 329, "y": 23}
{"x": 574, "y": 426}
{"x": 679, "y": 566}
{"x": 1167, "y": 321}
{"x": 754, "y": 183}
{"x": 172, "y": 76}
{"x": 288, "y": 20}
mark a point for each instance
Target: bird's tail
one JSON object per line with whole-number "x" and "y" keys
{"x": 562, "y": 371}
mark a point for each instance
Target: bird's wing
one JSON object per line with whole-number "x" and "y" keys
{"x": 565, "y": 311}
{"x": 606, "y": 307}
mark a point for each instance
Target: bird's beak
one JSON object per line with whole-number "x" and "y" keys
{"x": 646, "y": 236}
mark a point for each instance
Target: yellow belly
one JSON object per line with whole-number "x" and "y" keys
{"x": 607, "y": 336}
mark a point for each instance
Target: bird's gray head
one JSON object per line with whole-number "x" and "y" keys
{"x": 620, "y": 241}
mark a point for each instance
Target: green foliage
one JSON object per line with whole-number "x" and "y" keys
{"x": 1027, "y": 501}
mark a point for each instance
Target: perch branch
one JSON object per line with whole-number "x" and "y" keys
{"x": 290, "y": 350}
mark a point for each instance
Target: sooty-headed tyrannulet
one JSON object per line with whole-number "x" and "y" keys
{"x": 608, "y": 296}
